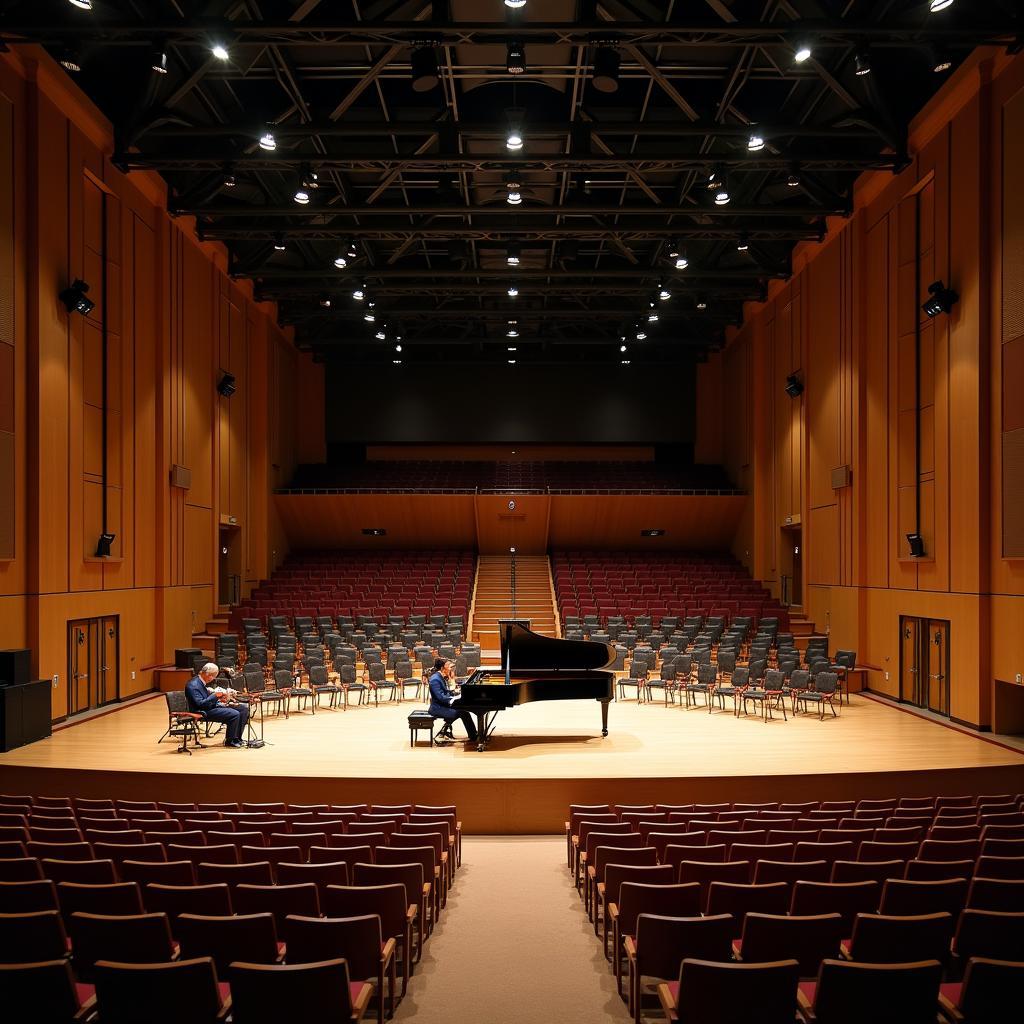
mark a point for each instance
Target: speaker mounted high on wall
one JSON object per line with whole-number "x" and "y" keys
{"x": 15, "y": 666}
{"x": 226, "y": 386}
{"x": 916, "y": 542}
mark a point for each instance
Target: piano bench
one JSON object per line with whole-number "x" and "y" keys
{"x": 419, "y": 720}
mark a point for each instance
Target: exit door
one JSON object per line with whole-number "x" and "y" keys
{"x": 229, "y": 591}
{"x": 792, "y": 566}
{"x": 93, "y": 664}
{"x": 924, "y": 663}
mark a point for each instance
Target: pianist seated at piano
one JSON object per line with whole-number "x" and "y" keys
{"x": 442, "y": 696}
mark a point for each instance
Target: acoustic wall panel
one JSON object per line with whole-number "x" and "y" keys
{"x": 7, "y": 362}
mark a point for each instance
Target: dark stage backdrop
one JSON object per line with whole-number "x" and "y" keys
{"x": 496, "y": 404}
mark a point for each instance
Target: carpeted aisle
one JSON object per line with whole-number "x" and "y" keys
{"x": 514, "y": 945}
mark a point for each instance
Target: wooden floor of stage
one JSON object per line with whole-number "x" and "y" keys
{"x": 541, "y": 755}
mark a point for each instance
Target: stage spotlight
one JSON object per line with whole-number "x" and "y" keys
{"x": 105, "y": 544}
{"x": 862, "y": 62}
{"x": 226, "y": 386}
{"x": 425, "y": 75}
{"x": 279, "y": 243}
{"x": 794, "y": 386}
{"x": 802, "y": 51}
{"x": 755, "y": 143}
{"x": 220, "y": 51}
{"x": 75, "y": 300}
{"x": 268, "y": 142}
{"x": 916, "y": 542}
{"x": 941, "y": 299}
{"x": 515, "y": 58}
{"x": 606, "y": 69}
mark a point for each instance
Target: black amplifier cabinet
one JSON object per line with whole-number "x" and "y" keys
{"x": 24, "y": 713}
{"x": 183, "y": 656}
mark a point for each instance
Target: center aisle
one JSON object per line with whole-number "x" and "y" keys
{"x": 514, "y": 945}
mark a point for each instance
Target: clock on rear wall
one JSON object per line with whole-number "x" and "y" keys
{"x": 511, "y": 506}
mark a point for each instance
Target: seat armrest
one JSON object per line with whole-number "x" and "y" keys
{"x": 387, "y": 951}
{"x": 668, "y": 1003}
{"x": 804, "y": 1007}
{"x": 948, "y": 1010}
{"x": 736, "y": 950}
{"x": 410, "y": 914}
{"x": 844, "y": 950}
{"x": 613, "y": 912}
{"x": 630, "y": 943}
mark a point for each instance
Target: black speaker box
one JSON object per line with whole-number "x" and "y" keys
{"x": 183, "y": 656}
{"x": 15, "y": 667}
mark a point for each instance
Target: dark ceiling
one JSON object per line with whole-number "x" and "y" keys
{"x": 415, "y": 182}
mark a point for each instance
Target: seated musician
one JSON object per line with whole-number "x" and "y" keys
{"x": 222, "y": 706}
{"x": 442, "y": 697}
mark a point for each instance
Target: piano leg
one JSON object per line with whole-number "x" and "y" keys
{"x": 481, "y": 731}
{"x": 604, "y": 717}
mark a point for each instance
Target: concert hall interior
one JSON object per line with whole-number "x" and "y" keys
{"x": 582, "y": 432}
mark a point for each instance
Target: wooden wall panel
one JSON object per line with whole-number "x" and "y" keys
{"x": 10, "y": 491}
{"x": 524, "y": 527}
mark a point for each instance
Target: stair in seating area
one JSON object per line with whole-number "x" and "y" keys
{"x": 801, "y": 627}
{"x": 534, "y": 597}
{"x": 206, "y": 638}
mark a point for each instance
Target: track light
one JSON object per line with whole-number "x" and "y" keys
{"x": 513, "y": 254}
{"x": 742, "y": 243}
{"x": 359, "y": 292}
{"x": 75, "y": 300}
{"x": 515, "y": 58}
{"x": 158, "y": 59}
{"x": 341, "y": 262}
{"x": 513, "y": 291}
{"x": 802, "y": 51}
{"x": 862, "y": 62}
{"x": 70, "y": 60}
{"x": 514, "y": 140}
{"x": 755, "y": 143}
{"x": 941, "y": 61}
{"x": 268, "y": 142}
{"x": 279, "y": 243}
{"x": 220, "y": 51}
{"x": 425, "y": 75}
{"x": 941, "y": 299}
{"x": 934, "y": 6}
{"x": 606, "y": 69}
{"x": 325, "y": 301}
{"x": 84, "y": 5}
{"x": 663, "y": 292}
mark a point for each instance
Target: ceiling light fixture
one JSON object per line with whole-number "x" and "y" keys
{"x": 793, "y": 180}
{"x": 941, "y": 61}
{"x": 369, "y": 317}
{"x": 381, "y": 335}
{"x": 84, "y": 5}
{"x": 716, "y": 179}
{"x": 640, "y": 335}
{"x": 663, "y": 292}
{"x": 425, "y": 75}
{"x": 607, "y": 63}
{"x": 514, "y": 140}
{"x": 681, "y": 260}
{"x": 158, "y": 59}
{"x": 674, "y": 248}
{"x": 511, "y": 362}
{"x": 802, "y": 51}
{"x": 702, "y": 303}
{"x": 515, "y": 196}
{"x": 279, "y": 243}
{"x": 512, "y": 348}
{"x": 513, "y": 330}
{"x": 351, "y": 251}
{"x": 359, "y": 292}
{"x": 652, "y": 317}
{"x": 515, "y": 5}
{"x": 513, "y": 254}
{"x": 515, "y": 58}
{"x": 755, "y": 143}
{"x": 862, "y": 62}
{"x": 513, "y": 291}
{"x": 220, "y": 51}
{"x": 934, "y": 6}
{"x": 325, "y": 302}
{"x": 622, "y": 348}
{"x": 70, "y": 60}
{"x": 229, "y": 180}
{"x": 742, "y": 243}
{"x": 398, "y": 348}
{"x": 722, "y": 196}
{"x": 301, "y": 196}
{"x": 268, "y": 142}
{"x": 340, "y": 262}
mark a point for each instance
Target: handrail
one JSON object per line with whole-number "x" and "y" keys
{"x": 677, "y": 492}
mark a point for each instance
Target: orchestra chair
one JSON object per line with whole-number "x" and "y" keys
{"x": 161, "y": 993}
{"x": 28, "y": 896}
{"x": 250, "y": 873}
{"x": 635, "y": 899}
{"x": 322, "y": 991}
{"x": 174, "y": 872}
{"x": 739, "y": 899}
{"x": 388, "y": 902}
{"x": 279, "y": 900}
{"x": 175, "y": 900}
{"x": 904, "y": 898}
{"x": 993, "y": 934}
{"x": 848, "y": 899}
{"x": 182, "y": 722}
{"x": 32, "y": 937}
{"x": 886, "y": 939}
{"x": 662, "y": 943}
{"x": 808, "y": 940}
{"x": 898, "y": 993}
{"x": 45, "y": 991}
{"x": 225, "y": 939}
{"x": 22, "y": 869}
{"x": 996, "y": 894}
{"x": 358, "y": 940}
{"x": 732, "y": 993}
{"x": 989, "y": 986}
{"x": 135, "y": 939}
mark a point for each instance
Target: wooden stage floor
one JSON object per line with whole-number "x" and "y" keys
{"x": 542, "y": 757}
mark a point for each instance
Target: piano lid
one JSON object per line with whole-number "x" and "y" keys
{"x": 534, "y": 652}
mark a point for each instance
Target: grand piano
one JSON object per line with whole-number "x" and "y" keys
{"x": 536, "y": 667}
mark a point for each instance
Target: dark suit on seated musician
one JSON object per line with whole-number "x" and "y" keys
{"x": 217, "y": 707}
{"x": 442, "y": 696}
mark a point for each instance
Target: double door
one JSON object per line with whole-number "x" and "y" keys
{"x": 93, "y": 669}
{"x": 924, "y": 663}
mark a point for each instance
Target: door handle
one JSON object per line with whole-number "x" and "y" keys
{"x": 937, "y": 675}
